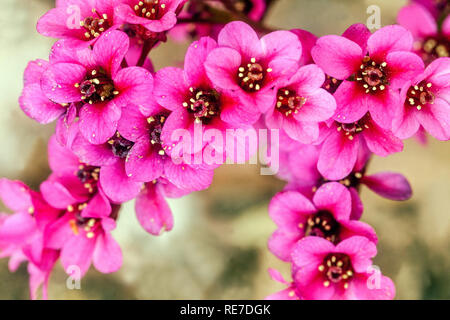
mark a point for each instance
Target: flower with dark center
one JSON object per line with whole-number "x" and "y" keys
{"x": 336, "y": 268}
{"x": 95, "y": 26}
{"x": 420, "y": 95}
{"x": 435, "y": 47}
{"x": 251, "y": 76}
{"x": 88, "y": 175}
{"x": 156, "y": 124}
{"x": 97, "y": 86}
{"x": 352, "y": 129}
{"x": 120, "y": 146}
{"x": 88, "y": 225}
{"x": 289, "y": 102}
{"x": 203, "y": 104}
{"x": 372, "y": 75}
{"x": 331, "y": 84}
{"x": 323, "y": 224}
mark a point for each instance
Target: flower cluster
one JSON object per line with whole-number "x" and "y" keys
{"x": 121, "y": 131}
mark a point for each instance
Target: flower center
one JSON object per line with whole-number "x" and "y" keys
{"x": 435, "y": 47}
{"x": 89, "y": 225}
{"x": 156, "y": 124}
{"x": 420, "y": 95}
{"x": 204, "y": 105}
{"x": 244, "y": 6}
{"x": 288, "y": 102}
{"x": 336, "y": 267}
{"x": 372, "y": 76}
{"x": 88, "y": 175}
{"x": 352, "y": 129}
{"x": 251, "y": 76}
{"x": 95, "y": 26}
{"x": 150, "y": 9}
{"x": 97, "y": 87}
{"x": 120, "y": 146}
{"x": 322, "y": 224}
{"x": 331, "y": 84}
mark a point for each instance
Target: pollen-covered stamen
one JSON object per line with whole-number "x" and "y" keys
{"x": 420, "y": 95}
{"x": 372, "y": 75}
{"x": 150, "y": 9}
{"x": 289, "y": 102}
{"x": 78, "y": 223}
{"x": 120, "y": 146}
{"x": 203, "y": 104}
{"x": 353, "y": 180}
{"x": 436, "y": 47}
{"x": 88, "y": 175}
{"x": 336, "y": 268}
{"x": 352, "y": 129}
{"x": 156, "y": 124}
{"x": 95, "y": 26}
{"x": 331, "y": 84}
{"x": 251, "y": 76}
{"x": 322, "y": 224}
{"x": 96, "y": 87}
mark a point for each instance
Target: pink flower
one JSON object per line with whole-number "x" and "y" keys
{"x": 21, "y": 233}
{"x": 80, "y": 21}
{"x": 343, "y": 141}
{"x": 431, "y": 41}
{"x": 83, "y": 240}
{"x": 305, "y": 178}
{"x": 301, "y": 104}
{"x": 308, "y": 41}
{"x": 324, "y": 271}
{"x": 435, "y": 7}
{"x": 73, "y": 185}
{"x": 372, "y": 71}
{"x": 147, "y": 159}
{"x": 152, "y": 209}
{"x": 194, "y": 100}
{"x": 327, "y": 216}
{"x": 251, "y": 67}
{"x": 426, "y": 103}
{"x": 154, "y": 15}
{"x": 94, "y": 79}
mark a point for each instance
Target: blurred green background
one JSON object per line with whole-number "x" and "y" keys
{"x": 217, "y": 249}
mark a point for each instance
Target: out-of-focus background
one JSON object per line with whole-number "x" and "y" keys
{"x": 218, "y": 248}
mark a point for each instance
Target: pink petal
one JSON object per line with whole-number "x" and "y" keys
{"x": 360, "y": 250}
{"x": 435, "y": 118}
{"x": 187, "y": 177}
{"x": 107, "y": 256}
{"x": 152, "y": 211}
{"x": 337, "y": 156}
{"x": 194, "y": 61}
{"x": 308, "y": 41}
{"x": 417, "y": 20}
{"x": 351, "y": 102}
{"x": 93, "y": 154}
{"x": 357, "y": 205}
{"x": 116, "y": 184}
{"x": 135, "y": 86}
{"x": 380, "y": 141}
{"x": 389, "y": 39}
{"x": 17, "y": 228}
{"x": 37, "y": 106}
{"x": 60, "y": 158}
{"x": 310, "y": 251}
{"x": 304, "y": 132}
{"x": 335, "y": 198}
{"x": 389, "y": 185}
{"x": 132, "y": 124}
{"x": 383, "y": 106}
{"x": 57, "y": 195}
{"x": 358, "y": 33}
{"x": 98, "y": 206}
{"x": 77, "y": 251}
{"x": 319, "y": 106}
{"x": 110, "y": 49}
{"x": 339, "y": 57}
{"x": 401, "y": 67}
{"x": 221, "y": 66}
{"x": 98, "y": 122}
{"x": 308, "y": 79}
{"x": 170, "y": 87}
{"x": 143, "y": 162}
{"x": 404, "y": 123}
{"x": 34, "y": 70}
{"x": 282, "y": 243}
{"x": 15, "y": 195}
{"x": 58, "y": 82}
{"x": 242, "y": 38}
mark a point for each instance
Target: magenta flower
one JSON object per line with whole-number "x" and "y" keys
{"x": 324, "y": 271}
{"x": 301, "y": 104}
{"x": 343, "y": 141}
{"x": 435, "y": 7}
{"x": 372, "y": 71}
{"x": 327, "y": 216}
{"x": 94, "y": 79}
{"x": 154, "y": 15}
{"x": 193, "y": 100}
{"x": 308, "y": 41}
{"x": 21, "y": 233}
{"x": 426, "y": 103}
{"x": 431, "y": 42}
{"x": 250, "y": 67}
{"x": 152, "y": 209}
{"x": 80, "y": 21}
{"x": 147, "y": 159}
{"x": 306, "y": 178}
{"x": 83, "y": 240}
